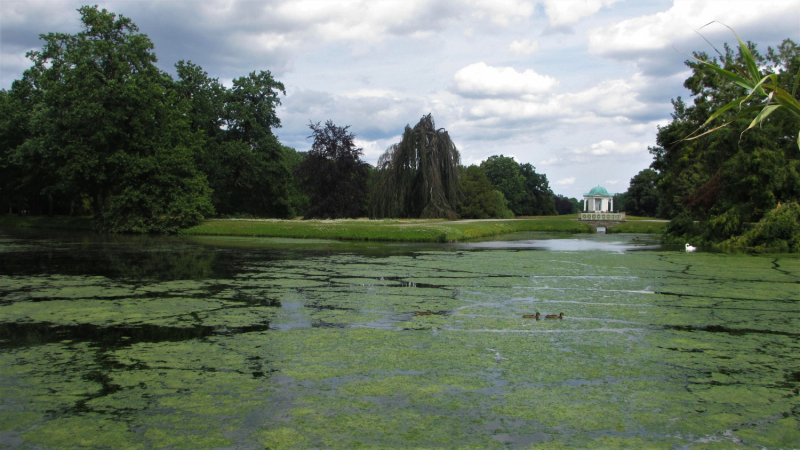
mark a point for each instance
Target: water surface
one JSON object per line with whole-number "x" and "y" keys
{"x": 125, "y": 342}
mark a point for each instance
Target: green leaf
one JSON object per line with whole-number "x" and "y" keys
{"x": 766, "y": 111}
{"x": 730, "y": 105}
{"x": 739, "y": 80}
{"x": 755, "y": 74}
{"x": 785, "y": 99}
{"x": 745, "y": 111}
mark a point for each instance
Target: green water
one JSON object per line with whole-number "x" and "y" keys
{"x": 253, "y": 343}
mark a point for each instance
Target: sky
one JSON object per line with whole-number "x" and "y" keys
{"x": 577, "y": 88}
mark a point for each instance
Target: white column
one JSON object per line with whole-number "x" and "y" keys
{"x": 611, "y": 204}
{"x": 585, "y": 204}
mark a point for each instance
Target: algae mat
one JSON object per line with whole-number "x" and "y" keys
{"x": 258, "y": 343}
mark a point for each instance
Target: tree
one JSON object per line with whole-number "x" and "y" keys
{"x": 641, "y": 199}
{"x": 481, "y": 200}
{"x": 563, "y": 205}
{"x": 528, "y": 193}
{"x": 247, "y": 167}
{"x": 109, "y": 126}
{"x": 539, "y": 198}
{"x": 418, "y": 177}
{"x": 333, "y": 175}
{"x": 715, "y": 186}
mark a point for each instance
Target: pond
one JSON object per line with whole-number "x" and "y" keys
{"x": 143, "y": 342}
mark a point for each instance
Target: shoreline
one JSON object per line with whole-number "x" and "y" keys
{"x": 385, "y": 230}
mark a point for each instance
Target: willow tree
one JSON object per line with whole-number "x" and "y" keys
{"x": 418, "y": 177}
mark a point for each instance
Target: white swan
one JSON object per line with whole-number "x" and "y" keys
{"x": 689, "y": 248}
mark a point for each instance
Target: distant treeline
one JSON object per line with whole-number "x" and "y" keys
{"x": 95, "y": 128}
{"x": 730, "y": 187}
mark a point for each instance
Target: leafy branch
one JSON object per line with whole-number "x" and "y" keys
{"x": 764, "y": 94}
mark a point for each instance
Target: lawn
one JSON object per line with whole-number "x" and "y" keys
{"x": 397, "y": 230}
{"x": 383, "y": 230}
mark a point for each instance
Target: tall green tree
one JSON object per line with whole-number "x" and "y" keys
{"x": 418, "y": 177}
{"x": 528, "y": 192}
{"x": 642, "y": 197}
{"x": 714, "y": 186}
{"x": 109, "y": 126}
{"x": 247, "y": 168}
{"x": 564, "y": 205}
{"x": 333, "y": 175}
{"x": 480, "y": 199}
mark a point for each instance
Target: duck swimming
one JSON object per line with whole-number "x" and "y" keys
{"x": 426, "y": 313}
{"x": 554, "y": 316}
{"x": 689, "y": 248}
{"x": 532, "y": 316}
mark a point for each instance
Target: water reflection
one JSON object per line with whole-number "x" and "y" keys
{"x": 578, "y": 242}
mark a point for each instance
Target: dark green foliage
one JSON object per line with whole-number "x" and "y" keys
{"x": 481, "y": 200}
{"x": 779, "y": 230}
{"x": 565, "y": 205}
{"x": 418, "y": 177}
{"x": 528, "y": 193}
{"x": 728, "y": 179}
{"x": 333, "y": 175}
{"x": 108, "y": 126}
{"x": 641, "y": 199}
{"x": 247, "y": 167}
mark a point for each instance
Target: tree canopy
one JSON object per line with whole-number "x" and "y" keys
{"x": 716, "y": 186}
{"x": 480, "y": 199}
{"x": 418, "y": 177}
{"x": 104, "y": 125}
{"x": 642, "y": 198}
{"x": 528, "y": 192}
{"x": 333, "y": 175}
{"x": 94, "y": 127}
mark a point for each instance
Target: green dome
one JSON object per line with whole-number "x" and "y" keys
{"x": 598, "y": 191}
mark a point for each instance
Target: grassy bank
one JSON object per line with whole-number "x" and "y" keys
{"x": 360, "y": 230}
{"x": 382, "y": 230}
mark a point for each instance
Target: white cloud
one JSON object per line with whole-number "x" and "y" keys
{"x": 523, "y": 47}
{"x": 609, "y": 147}
{"x": 501, "y": 12}
{"x": 568, "y": 12}
{"x": 481, "y": 80}
{"x": 613, "y": 182}
{"x": 566, "y": 181}
{"x": 649, "y": 39}
{"x": 548, "y": 162}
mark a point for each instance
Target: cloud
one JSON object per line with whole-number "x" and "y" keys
{"x": 523, "y": 47}
{"x": 480, "y": 80}
{"x": 609, "y": 147}
{"x": 648, "y": 40}
{"x": 374, "y": 115}
{"x": 563, "y": 12}
{"x": 548, "y": 162}
{"x": 620, "y": 98}
{"x": 566, "y": 181}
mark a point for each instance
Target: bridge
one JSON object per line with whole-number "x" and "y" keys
{"x": 601, "y": 219}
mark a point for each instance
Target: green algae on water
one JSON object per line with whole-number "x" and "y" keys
{"x": 291, "y": 347}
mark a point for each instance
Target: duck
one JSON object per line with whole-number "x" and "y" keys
{"x": 689, "y": 248}
{"x": 426, "y": 313}
{"x": 532, "y": 316}
{"x": 554, "y": 316}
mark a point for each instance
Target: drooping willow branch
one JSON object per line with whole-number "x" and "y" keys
{"x": 418, "y": 177}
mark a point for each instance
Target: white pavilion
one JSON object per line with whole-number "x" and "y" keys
{"x": 598, "y": 200}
